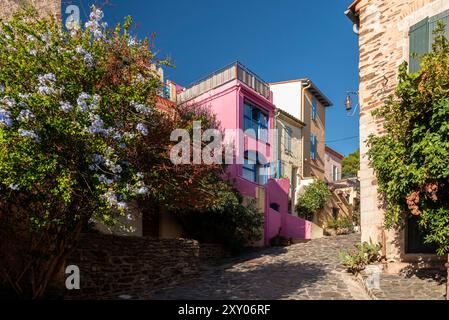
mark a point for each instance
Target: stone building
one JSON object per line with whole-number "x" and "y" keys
{"x": 389, "y": 32}
{"x": 290, "y": 152}
{"x": 44, "y": 7}
{"x": 304, "y": 100}
{"x": 333, "y": 164}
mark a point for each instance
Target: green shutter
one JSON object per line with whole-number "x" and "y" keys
{"x": 444, "y": 16}
{"x": 419, "y": 43}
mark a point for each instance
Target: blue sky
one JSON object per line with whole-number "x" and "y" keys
{"x": 278, "y": 40}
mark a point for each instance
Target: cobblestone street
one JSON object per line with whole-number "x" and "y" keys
{"x": 306, "y": 271}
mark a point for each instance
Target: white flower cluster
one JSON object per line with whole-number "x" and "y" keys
{"x": 46, "y": 84}
{"x": 141, "y": 108}
{"x": 88, "y": 59}
{"x": 95, "y": 26}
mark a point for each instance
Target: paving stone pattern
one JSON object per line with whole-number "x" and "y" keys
{"x": 305, "y": 271}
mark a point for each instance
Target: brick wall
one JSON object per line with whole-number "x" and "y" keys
{"x": 111, "y": 266}
{"x": 383, "y": 43}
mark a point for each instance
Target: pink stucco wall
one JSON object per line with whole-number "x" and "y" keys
{"x": 227, "y": 103}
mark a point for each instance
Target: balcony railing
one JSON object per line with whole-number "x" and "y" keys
{"x": 222, "y": 76}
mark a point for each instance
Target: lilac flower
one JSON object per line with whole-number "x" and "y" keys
{"x": 25, "y": 115}
{"x": 89, "y": 60}
{"x": 92, "y": 167}
{"x": 96, "y": 124}
{"x": 141, "y": 108}
{"x": 121, "y": 205}
{"x": 110, "y": 197}
{"x": 139, "y": 175}
{"x": 14, "y": 187}
{"x": 81, "y": 101}
{"x": 5, "y": 117}
{"x": 32, "y": 52}
{"x": 2, "y": 88}
{"x": 30, "y": 38}
{"x": 97, "y": 158}
{"x": 44, "y": 90}
{"x": 116, "y": 169}
{"x": 46, "y": 37}
{"x": 24, "y": 96}
{"x": 122, "y": 146}
{"x": 142, "y": 190}
{"x": 65, "y": 106}
{"x": 95, "y": 103}
{"x": 29, "y": 134}
{"x": 47, "y": 78}
{"x": 132, "y": 41}
{"x": 79, "y": 49}
{"x": 105, "y": 180}
{"x": 46, "y": 83}
{"x": 94, "y": 25}
{"x": 142, "y": 129}
{"x": 10, "y": 102}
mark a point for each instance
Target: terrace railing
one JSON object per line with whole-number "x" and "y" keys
{"x": 222, "y": 76}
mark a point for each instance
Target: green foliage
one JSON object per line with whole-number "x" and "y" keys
{"x": 228, "y": 220}
{"x": 313, "y": 199}
{"x": 351, "y": 165}
{"x": 357, "y": 258}
{"x": 342, "y": 225}
{"x": 279, "y": 241}
{"x": 72, "y": 108}
{"x": 411, "y": 160}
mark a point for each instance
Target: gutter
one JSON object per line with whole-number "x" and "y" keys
{"x": 353, "y": 15}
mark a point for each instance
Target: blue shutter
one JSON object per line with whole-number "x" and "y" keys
{"x": 419, "y": 44}
{"x": 314, "y": 112}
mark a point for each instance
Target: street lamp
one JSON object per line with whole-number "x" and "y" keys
{"x": 348, "y": 103}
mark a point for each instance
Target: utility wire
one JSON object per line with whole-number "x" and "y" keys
{"x": 342, "y": 139}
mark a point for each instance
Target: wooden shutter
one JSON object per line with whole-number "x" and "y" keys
{"x": 419, "y": 43}
{"x": 444, "y": 16}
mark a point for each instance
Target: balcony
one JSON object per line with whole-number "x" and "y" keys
{"x": 222, "y": 76}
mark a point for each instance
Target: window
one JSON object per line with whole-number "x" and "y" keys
{"x": 252, "y": 170}
{"x": 249, "y": 166}
{"x": 421, "y": 38}
{"x": 335, "y": 173}
{"x": 256, "y": 121}
{"x": 335, "y": 212}
{"x": 313, "y": 144}
{"x": 314, "y": 108}
{"x": 288, "y": 140}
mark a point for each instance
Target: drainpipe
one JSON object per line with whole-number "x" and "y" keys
{"x": 305, "y": 86}
{"x": 354, "y": 17}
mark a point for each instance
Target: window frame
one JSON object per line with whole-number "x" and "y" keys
{"x": 257, "y": 125}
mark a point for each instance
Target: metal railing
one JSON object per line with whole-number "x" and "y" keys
{"x": 232, "y": 71}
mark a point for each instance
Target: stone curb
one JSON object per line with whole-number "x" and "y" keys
{"x": 368, "y": 291}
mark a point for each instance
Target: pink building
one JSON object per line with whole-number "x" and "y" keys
{"x": 241, "y": 100}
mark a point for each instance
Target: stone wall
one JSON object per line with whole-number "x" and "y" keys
{"x": 212, "y": 251}
{"x": 111, "y": 266}
{"x": 44, "y": 7}
{"x": 383, "y": 43}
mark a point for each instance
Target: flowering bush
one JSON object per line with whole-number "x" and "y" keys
{"x": 72, "y": 105}
{"x": 411, "y": 158}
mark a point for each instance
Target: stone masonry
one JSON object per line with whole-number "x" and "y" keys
{"x": 44, "y": 7}
{"x": 383, "y": 43}
{"x": 112, "y": 267}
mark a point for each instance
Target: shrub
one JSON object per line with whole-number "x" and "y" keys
{"x": 341, "y": 226}
{"x": 411, "y": 157}
{"x": 360, "y": 256}
{"x": 227, "y": 221}
{"x": 313, "y": 199}
{"x": 279, "y": 241}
